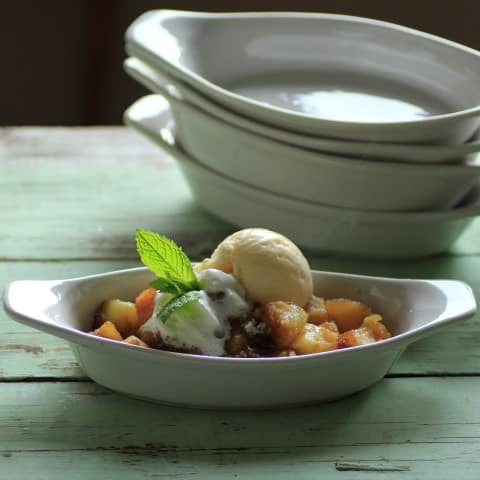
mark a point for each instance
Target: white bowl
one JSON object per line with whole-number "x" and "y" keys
{"x": 315, "y": 176}
{"x": 320, "y": 228}
{"x": 411, "y": 309}
{"x": 161, "y": 82}
{"x": 331, "y": 75}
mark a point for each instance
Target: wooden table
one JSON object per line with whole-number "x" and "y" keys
{"x": 70, "y": 201}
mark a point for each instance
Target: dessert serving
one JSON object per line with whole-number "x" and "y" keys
{"x": 253, "y": 298}
{"x": 236, "y": 330}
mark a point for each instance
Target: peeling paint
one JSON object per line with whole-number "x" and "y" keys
{"x": 365, "y": 467}
{"x": 25, "y": 348}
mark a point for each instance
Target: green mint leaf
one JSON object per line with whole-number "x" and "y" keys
{"x": 166, "y": 286}
{"x": 176, "y": 304}
{"x": 167, "y": 261}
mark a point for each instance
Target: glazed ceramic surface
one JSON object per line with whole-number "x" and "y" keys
{"x": 411, "y": 309}
{"x": 332, "y": 75}
{"x": 163, "y": 83}
{"x": 321, "y": 228}
{"x": 319, "y": 177}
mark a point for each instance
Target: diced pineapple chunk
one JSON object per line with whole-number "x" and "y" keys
{"x": 122, "y": 314}
{"x": 315, "y": 338}
{"x": 332, "y": 326}
{"x": 133, "y": 340}
{"x": 347, "y": 314}
{"x": 145, "y": 304}
{"x": 356, "y": 337}
{"x": 317, "y": 312}
{"x": 378, "y": 330}
{"x": 371, "y": 331}
{"x": 108, "y": 330}
{"x": 286, "y": 322}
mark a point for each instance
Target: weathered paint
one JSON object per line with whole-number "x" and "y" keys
{"x": 70, "y": 200}
{"x": 401, "y": 428}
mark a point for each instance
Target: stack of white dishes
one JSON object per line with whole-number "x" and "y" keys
{"x": 351, "y": 136}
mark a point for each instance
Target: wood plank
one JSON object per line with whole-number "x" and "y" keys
{"x": 82, "y": 192}
{"x": 67, "y": 194}
{"x": 401, "y": 428}
{"x": 26, "y": 353}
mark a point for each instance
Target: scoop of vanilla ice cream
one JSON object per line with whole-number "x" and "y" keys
{"x": 268, "y": 265}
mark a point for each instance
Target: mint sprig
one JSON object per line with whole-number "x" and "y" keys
{"x": 176, "y": 304}
{"x": 172, "y": 267}
{"x": 167, "y": 261}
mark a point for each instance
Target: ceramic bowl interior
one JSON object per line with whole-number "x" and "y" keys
{"x": 367, "y": 72}
{"x": 159, "y": 81}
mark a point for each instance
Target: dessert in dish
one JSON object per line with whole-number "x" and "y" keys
{"x": 412, "y": 310}
{"x": 252, "y": 298}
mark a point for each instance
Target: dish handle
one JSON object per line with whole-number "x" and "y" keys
{"x": 143, "y": 116}
{"x": 459, "y": 304}
{"x": 33, "y": 300}
{"x": 152, "y": 79}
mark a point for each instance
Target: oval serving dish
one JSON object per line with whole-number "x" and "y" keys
{"x": 324, "y": 229}
{"x": 411, "y": 308}
{"x": 164, "y": 84}
{"x": 293, "y": 70}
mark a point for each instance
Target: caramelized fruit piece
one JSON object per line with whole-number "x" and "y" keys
{"x": 371, "y": 331}
{"x": 317, "y": 312}
{"x": 316, "y": 338}
{"x": 108, "y": 330}
{"x": 356, "y": 337}
{"x": 378, "y": 330}
{"x": 347, "y": 314}
{"x": 286, "y": 322}
{"x": 133, "y": 340}
{"x": 122, "y": 314}
{"x": 145, "y": 304}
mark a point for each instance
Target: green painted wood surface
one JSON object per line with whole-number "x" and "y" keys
{"x": 402, "y": 427}
{"x": 70, "y": 200}
{"x": 82, "y": 192}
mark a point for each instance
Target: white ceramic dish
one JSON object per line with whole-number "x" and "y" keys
{"x": 65, "y": 308}
{"x": 295, "y": 70}
{"x": 315, "y": 176}
{"x": 160, "y": 82}
{"x": 325, "y": 229}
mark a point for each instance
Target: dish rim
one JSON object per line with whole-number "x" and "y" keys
{"x": 163, "y": 83}
{"x": 71, "y": 334}
{"x": 470, "y": 167}
{"x": 169, "y": 13}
